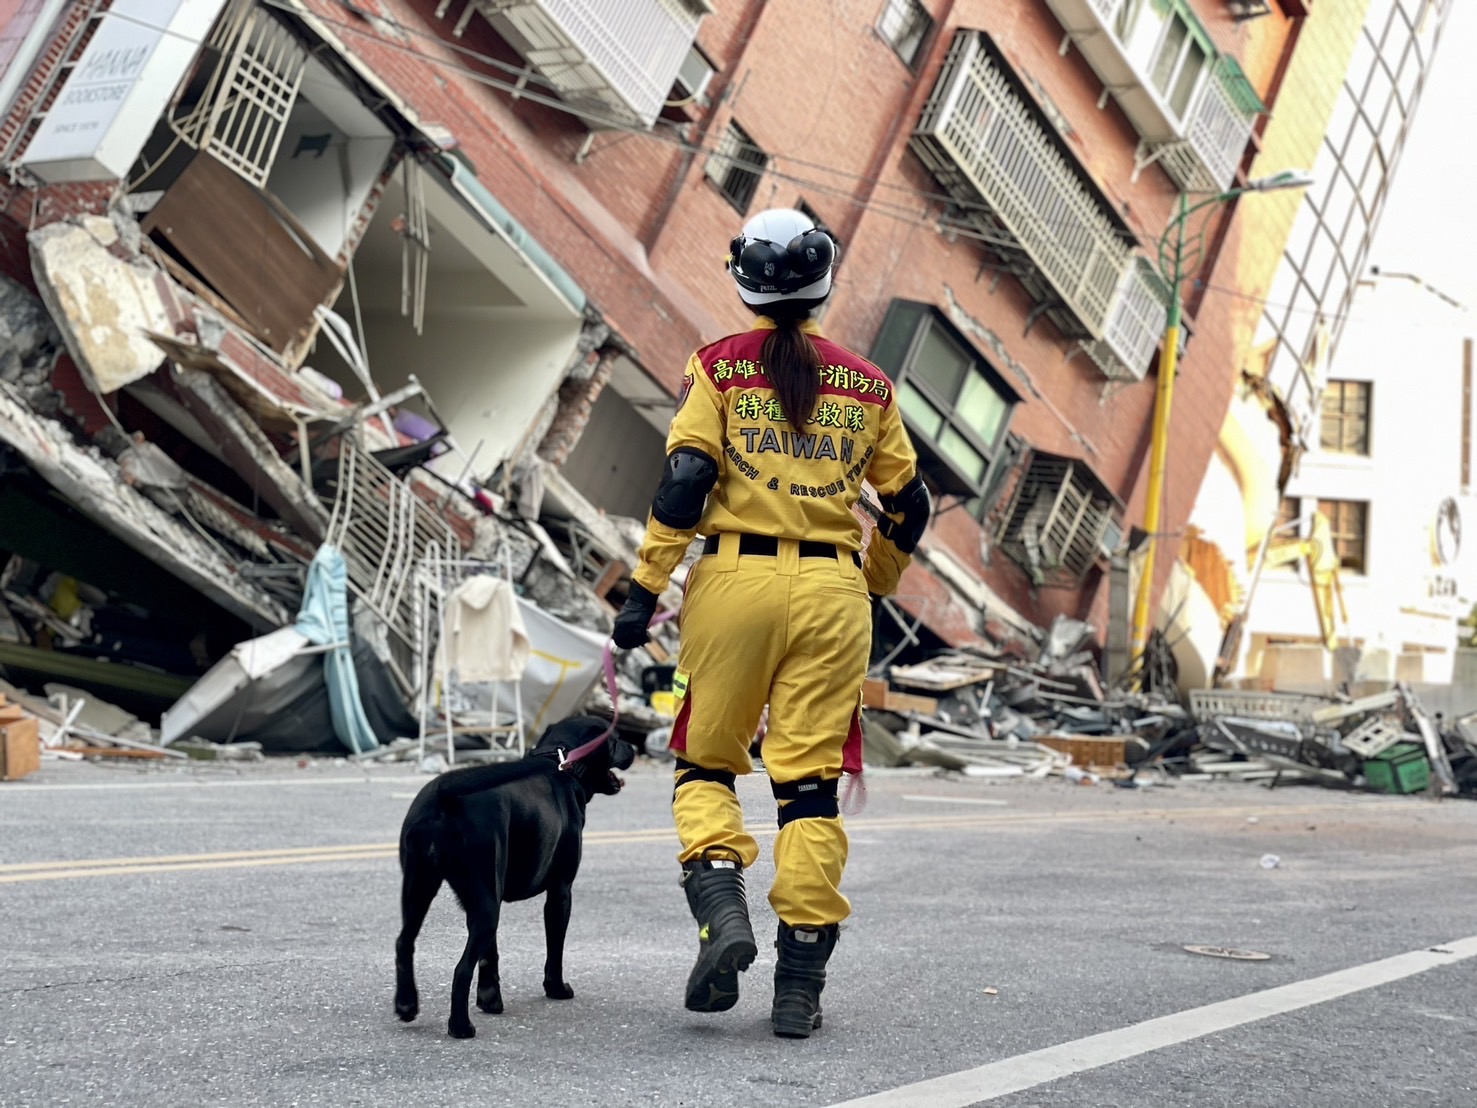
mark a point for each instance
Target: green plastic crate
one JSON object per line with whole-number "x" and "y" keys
{"x": 1401, "y": 769}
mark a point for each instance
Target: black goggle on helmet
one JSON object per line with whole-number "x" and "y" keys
{"x": 765, "y": 264}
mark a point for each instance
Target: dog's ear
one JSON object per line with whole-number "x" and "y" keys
{"x": 622, "y": 753}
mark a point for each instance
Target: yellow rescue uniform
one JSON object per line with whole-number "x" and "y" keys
{"x": 777, "y": 612}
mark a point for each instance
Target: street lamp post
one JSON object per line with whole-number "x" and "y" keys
{"x": 1172, "y": 270}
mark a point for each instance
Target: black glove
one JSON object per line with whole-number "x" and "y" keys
{"x": 630, "y": 623}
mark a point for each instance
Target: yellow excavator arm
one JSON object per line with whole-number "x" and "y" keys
{"x": 1322, "y": 560}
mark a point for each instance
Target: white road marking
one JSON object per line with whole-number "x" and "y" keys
{"x": 924, "y": 799}
{"x": 199, "y": 783}
{"x": 1026, "y": 1071}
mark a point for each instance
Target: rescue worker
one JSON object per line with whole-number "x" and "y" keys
{"x": 775, "y": 431}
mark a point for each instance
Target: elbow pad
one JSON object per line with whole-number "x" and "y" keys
{"x": 687, "y": 478}
{"x": 913, "y": 504}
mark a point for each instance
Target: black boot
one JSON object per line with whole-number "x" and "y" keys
{"x": 799, "y": 977}
{"x": 726, "y": 947}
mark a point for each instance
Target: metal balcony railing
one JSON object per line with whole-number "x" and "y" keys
{"x": 1199, "y": 147}
{"x": 1135, "y": 325}
{"x": 1000, "y": 164}
{"x": 615, "y": 58}
{"x": 1219, "y": 129}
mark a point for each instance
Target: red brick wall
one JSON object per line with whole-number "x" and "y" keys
{"x": 640, "y": 228}
{"x": 637, "y": 225}
{"x": 22, "y": 208}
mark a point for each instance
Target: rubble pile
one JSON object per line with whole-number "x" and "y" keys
{"x": 992, "y": 716}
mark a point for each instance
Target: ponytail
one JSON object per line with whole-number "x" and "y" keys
{"x": 791, "y": 360}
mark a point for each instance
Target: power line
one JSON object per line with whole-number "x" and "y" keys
{"x": 889, "y": 209}
{"x": 669, "y": 138}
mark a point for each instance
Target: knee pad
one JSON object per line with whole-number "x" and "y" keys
{"x": 688, "y": 772}
{"x": 809, "y": 797}
{"x": 687, "y": 478}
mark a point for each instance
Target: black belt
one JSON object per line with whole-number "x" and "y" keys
{"x": 768, "y": 546}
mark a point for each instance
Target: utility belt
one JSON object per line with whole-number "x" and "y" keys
{"x": 767, "y": 546}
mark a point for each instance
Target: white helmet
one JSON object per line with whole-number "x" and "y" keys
{"x": 782, "y": 255}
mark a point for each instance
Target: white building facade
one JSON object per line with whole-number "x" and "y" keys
{"x": 1391, "y": 471}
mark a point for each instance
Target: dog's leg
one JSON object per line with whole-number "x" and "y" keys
{"x": 417, "y": 889}
{"x": 489, "y": 984}
{"x": 556, "y": 924}
{"x": 459, "y": 1026}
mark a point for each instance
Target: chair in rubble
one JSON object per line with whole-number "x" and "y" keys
{"x": 469, "y": 677}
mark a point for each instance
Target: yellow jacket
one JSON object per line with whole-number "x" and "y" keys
{"x": 782, "y": 481}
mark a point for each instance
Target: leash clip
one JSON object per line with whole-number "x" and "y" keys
{"x": 563, "y": 762}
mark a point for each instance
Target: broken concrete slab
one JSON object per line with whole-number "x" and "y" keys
{"x": 250, "y": 452}
{"x": 95, "y": 487}
{"x": 103, "y": 304}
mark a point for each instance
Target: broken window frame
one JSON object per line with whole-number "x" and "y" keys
{"x": 1070, "y": 533}
{"x": 736, "y": 167}
{"x": 1345, "y": 417}
{"x": 242, "y": 115}
{"x": 896, "y": 349}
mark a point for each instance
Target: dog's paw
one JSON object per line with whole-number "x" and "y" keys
{"x": 558, "y": 990}
{"x": 407, "y": 1008}
{"x": 491, "y": 1002}
{"x": 463, "y": 1030}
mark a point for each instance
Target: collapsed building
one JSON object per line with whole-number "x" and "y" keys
{"x": 416, "y": 280}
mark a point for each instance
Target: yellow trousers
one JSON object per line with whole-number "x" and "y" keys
{"x": 794, "y": 633}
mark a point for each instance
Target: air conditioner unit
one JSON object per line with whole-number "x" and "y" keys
{"x": 693, "y": 76}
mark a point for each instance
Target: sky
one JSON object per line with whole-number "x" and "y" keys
{"x": 1429, "y": 226}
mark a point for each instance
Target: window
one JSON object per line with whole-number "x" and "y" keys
{"x": 1348, "y": 520}
{"x": 1346, "y": 417}
{"x": 692, "y": 76}
{"x": 1159, "y": 39}
{"x": 953, "y": 403}
{"x": 242, "y": 116}
{"x": 736, "y": 167}
{"x": 1058, "y": 523}
{"x": 905, "y": 25}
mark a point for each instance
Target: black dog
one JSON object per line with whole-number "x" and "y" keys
{"x": 496, "y": 833}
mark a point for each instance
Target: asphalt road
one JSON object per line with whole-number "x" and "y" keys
{"x": 209, "y": 935}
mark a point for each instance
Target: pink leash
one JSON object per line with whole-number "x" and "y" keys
{"x": 607, "y": 660}
{"x": 853, "y": 796}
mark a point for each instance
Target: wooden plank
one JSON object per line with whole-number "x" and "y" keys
{"x": 1088, "y": 750}
{"x": 259, "y": 257}
{"x": 876, "y": 693}
{"x": 613, "y": 573}
{"x": 20, "y": 749}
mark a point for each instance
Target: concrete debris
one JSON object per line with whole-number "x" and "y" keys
{"x": 1002, "y": 716}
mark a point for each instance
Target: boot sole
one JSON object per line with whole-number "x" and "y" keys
{"x": 713, "y": 985}
{"x": 796, "y": 1029}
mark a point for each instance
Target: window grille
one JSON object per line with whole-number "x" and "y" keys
{"x": 736, "y": 167}
{"x": 615, "y": 59}
{"x": 1035, "y": 204}
{"x": 1135, "y": 325}
{"x": 1056, "y": 522}
{"x": 243, "y": 114}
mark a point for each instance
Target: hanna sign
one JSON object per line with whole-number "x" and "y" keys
{"x": 119, "y": 89}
